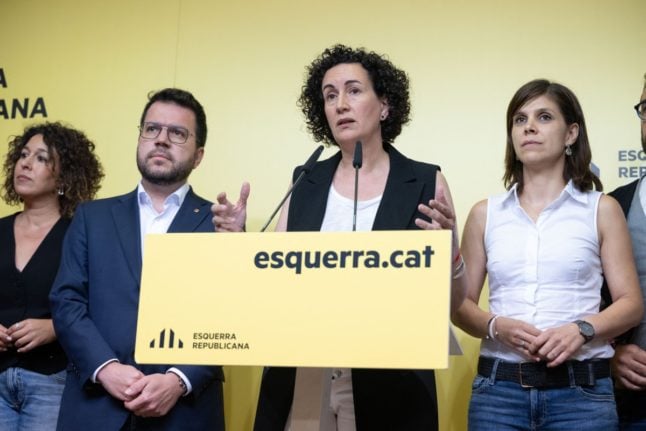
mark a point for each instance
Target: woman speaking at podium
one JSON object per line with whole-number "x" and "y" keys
{"x": 352, "y": 97}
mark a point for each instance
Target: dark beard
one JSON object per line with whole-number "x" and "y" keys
{"x": 176, "y": 175}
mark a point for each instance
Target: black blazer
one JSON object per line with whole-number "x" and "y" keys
{"x": 383, "y": 399}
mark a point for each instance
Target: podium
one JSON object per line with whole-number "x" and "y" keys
{"x": 299, "y": 299}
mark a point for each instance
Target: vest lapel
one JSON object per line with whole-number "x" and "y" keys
{"x": 401, "y": 195}
{"x": 397, "y": 208}
{"x": 311, "y": 196}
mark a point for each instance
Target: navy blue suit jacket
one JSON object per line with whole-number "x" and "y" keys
{"x": 95, "y": 301}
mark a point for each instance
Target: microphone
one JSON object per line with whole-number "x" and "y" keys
{"x": 357, "y": 161}
{"x": 305, "y": 170}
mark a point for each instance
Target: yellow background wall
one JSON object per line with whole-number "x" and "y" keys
{"x": 93, "y": 63}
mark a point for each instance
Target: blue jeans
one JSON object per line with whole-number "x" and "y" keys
{"x": 503, "y": 405}
{"x": 631, "y": 406}
{"x": 29, "y": 401}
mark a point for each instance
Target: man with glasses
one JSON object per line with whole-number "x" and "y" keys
{"x": 629, "y": 363}
{"x": 96, "y": 294}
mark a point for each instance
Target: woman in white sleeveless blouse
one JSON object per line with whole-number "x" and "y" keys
{"x": 545, "y": 245}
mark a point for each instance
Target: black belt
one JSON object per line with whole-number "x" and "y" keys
{"x": 538, "y": 375}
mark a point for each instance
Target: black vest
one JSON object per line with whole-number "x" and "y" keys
{"x": 383, "y": 399}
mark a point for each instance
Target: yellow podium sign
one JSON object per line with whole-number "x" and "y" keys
{"x": 313, "y": 299}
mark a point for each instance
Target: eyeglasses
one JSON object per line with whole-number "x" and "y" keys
{"x": 176, "y": 134}
{"x": 640, "y": 108}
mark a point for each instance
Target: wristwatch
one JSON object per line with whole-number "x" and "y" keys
{"x": 585, "y": 329}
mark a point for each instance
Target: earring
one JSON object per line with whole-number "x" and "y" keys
{"x": 568, "y": 150}
{"x": 61, "y": 192}
{"x": 383, "y": 116}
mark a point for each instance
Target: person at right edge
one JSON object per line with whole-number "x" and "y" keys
{"x": 629, "y": 362}
{"x": 545, "y": 245}
{"x": 354, "y": 95}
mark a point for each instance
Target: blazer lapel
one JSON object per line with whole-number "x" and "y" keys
{"x": 126, "y": 218}
{"x": 314, "y": 190}
{"x": 401, "y": 195}
{"x": 191, "y": 214}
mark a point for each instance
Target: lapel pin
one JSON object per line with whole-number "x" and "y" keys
{"x": 196, "y": 210}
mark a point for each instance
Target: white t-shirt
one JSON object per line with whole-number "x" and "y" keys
{"x": 339, "y": 213}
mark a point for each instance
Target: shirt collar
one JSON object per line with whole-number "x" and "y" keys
{"x": 511, "y": 197}
{"x": 176, "y": 198}
{"x": 575, "y": 193}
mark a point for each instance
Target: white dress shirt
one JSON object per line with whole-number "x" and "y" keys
{"x": 546, "y": 273}
{"x": 151, "y": 221}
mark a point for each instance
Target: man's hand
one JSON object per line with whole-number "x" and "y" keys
{"x": 117, "y": 378}
{"x": 154, "y": 395}
{"x": 228, "y": 217}
{"x": 629, "y": 367}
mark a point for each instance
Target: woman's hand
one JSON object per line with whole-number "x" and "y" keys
{"x": 31, "y": 333}
{"x": 517, "y": 335}
{"x": 557, "y": 345}
{"x": 441, "y": 213}
{"x": 5, "y": 339}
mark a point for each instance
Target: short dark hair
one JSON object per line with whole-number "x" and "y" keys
{"x": 577, "y": 166}
{"x": 184, "y": 99}
{"x": 388, "y": 82}
{"x": 80, "y": 172}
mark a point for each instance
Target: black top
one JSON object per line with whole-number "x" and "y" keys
{"x": 24, "y": 295}
{"x": 409, "y": 183}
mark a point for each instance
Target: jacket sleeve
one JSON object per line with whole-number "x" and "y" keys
{"x": 85, "y": 346}
{"x": 201, "y": 376}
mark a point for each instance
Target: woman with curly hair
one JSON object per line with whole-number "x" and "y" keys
{"x": 49, "y": 169}
{"x": 352, "y": 95}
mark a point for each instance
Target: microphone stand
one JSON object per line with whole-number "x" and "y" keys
{"x": 357, "y": 161}
{"x": 280, "y": 205}
{"x": 307, "y": 167}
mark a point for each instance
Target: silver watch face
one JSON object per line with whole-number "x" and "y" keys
{"x": 586, "y": 329}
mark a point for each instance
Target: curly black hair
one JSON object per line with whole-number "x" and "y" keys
{"x": 80, "y": 172}
{"x": 388, "y": 82}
